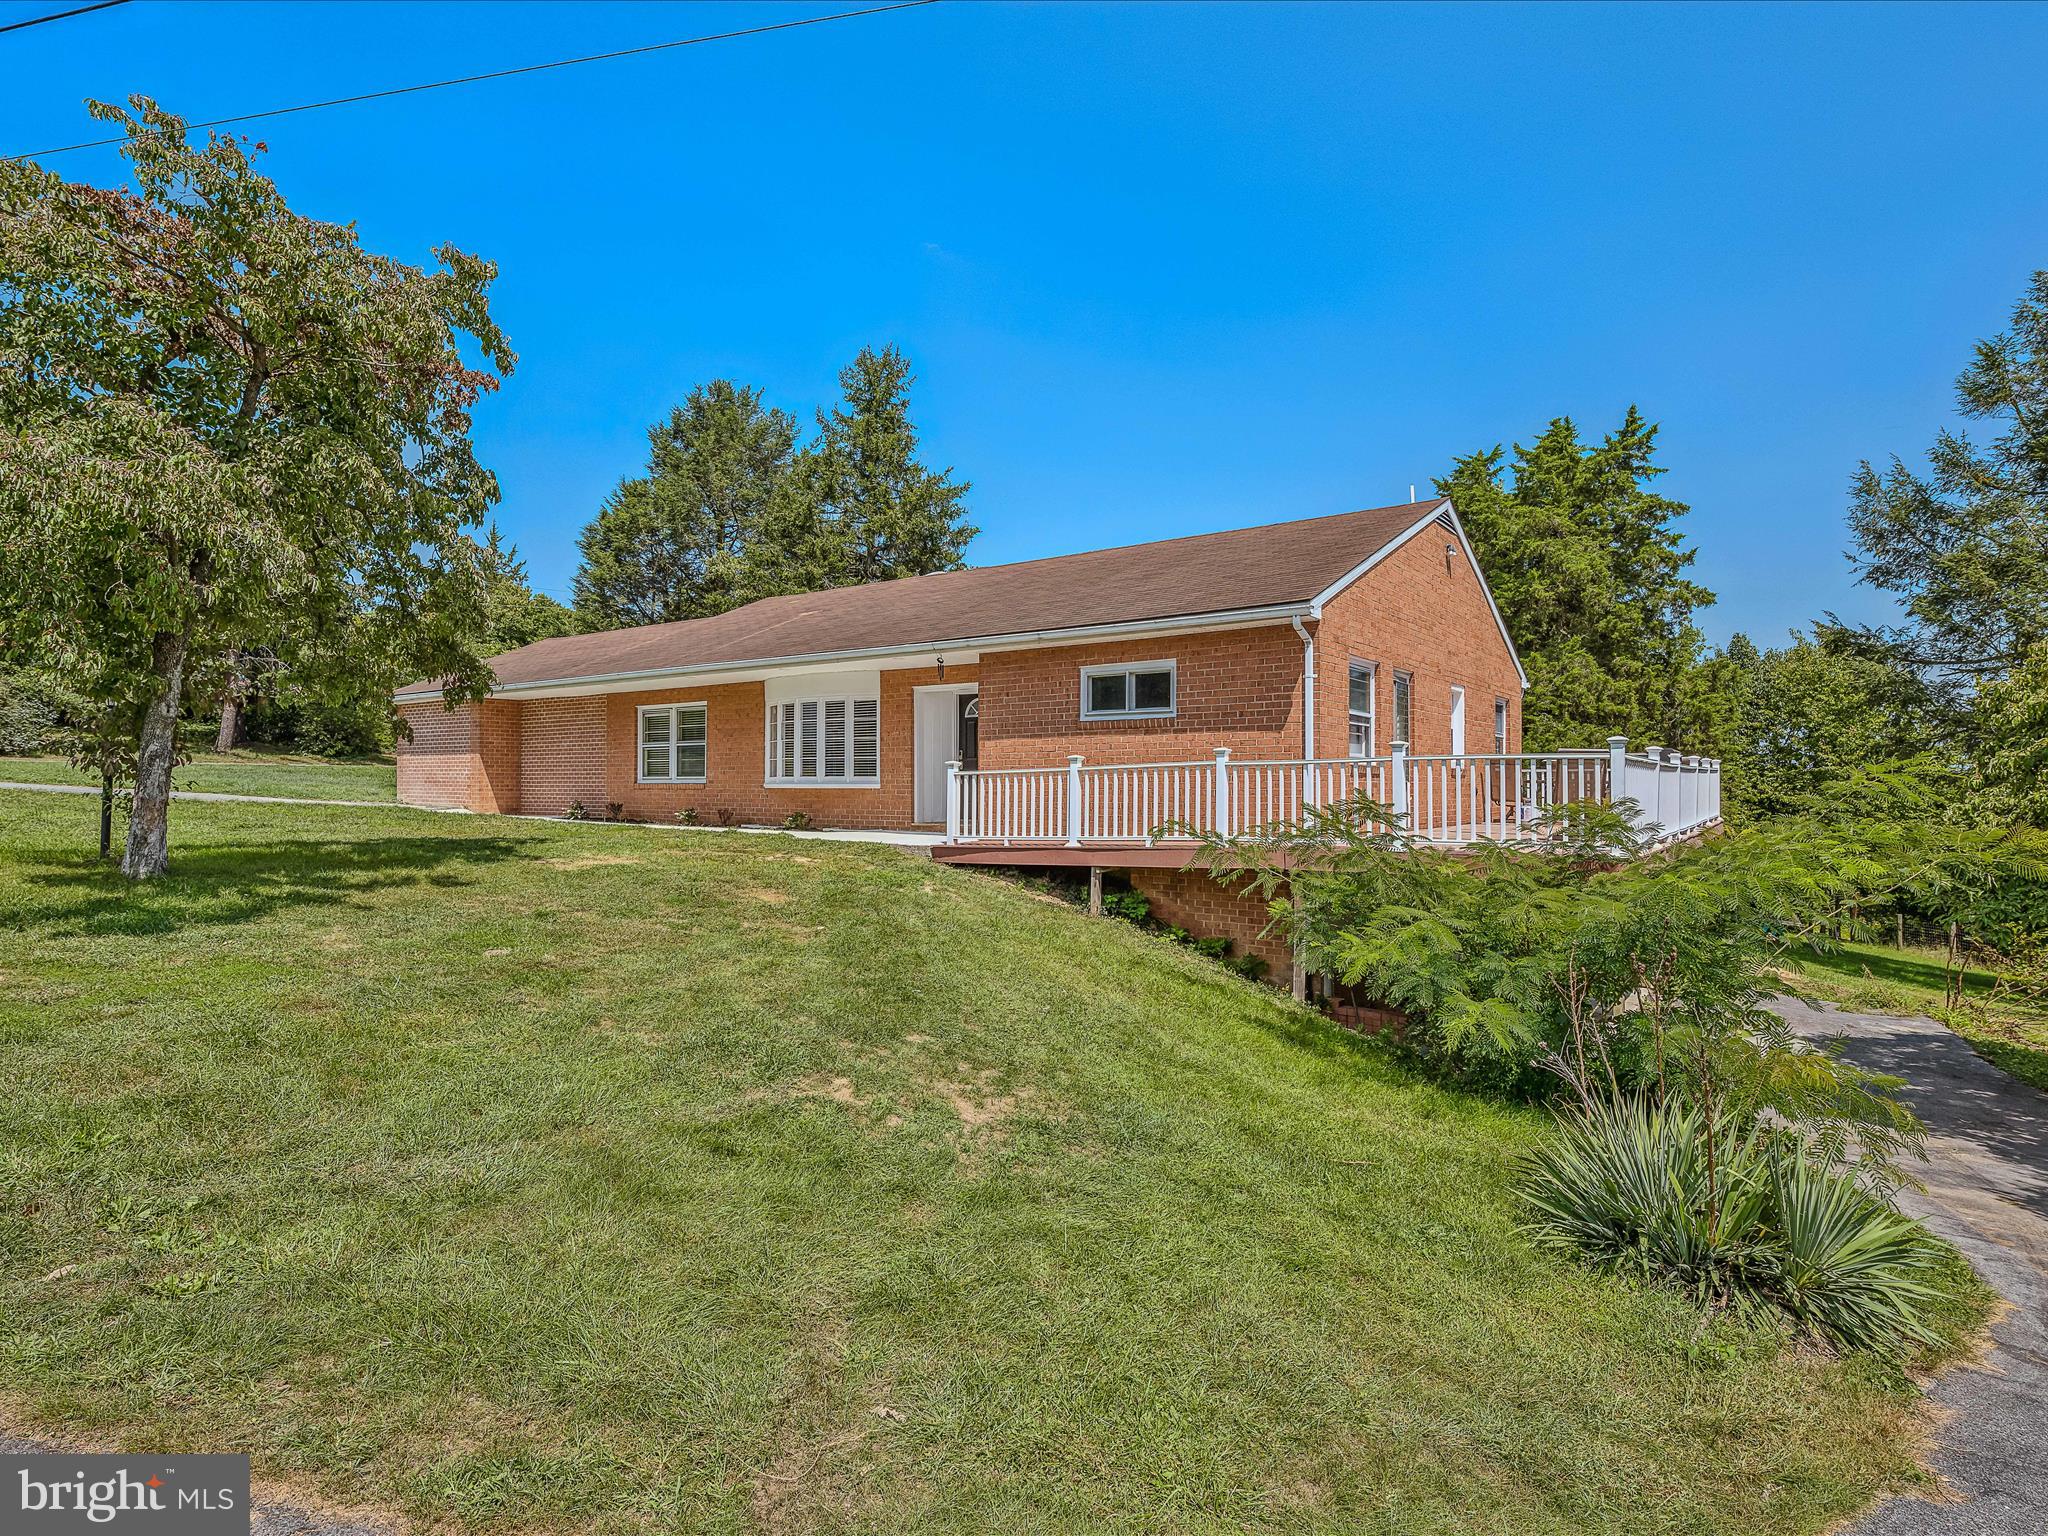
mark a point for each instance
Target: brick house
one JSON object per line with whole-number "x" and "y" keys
{"x": 1057, "y": 711}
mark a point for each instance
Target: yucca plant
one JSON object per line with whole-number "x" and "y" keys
{"x": 1842, "y": 1262}
{"x": 1742, "y": 1219}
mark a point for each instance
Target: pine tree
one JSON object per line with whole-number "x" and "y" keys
{"x": 879, "y": 512}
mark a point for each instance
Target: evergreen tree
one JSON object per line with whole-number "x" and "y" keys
{"x": 684, "y": 540}
{"x": 515, "y": 614}
{"x": 1589, "y": 572}
{"x": 1965, "y": 547}
{"x": 870, "y": 510}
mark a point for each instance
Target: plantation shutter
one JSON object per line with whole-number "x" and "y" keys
{"x": 867, "y": 738}
{"x": 835, "y": 739}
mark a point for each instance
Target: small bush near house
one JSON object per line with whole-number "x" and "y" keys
{"x": 1742, "y": 1219}
{"x": 797, "y": 821}
{"x": 614, "y": 811}
{"x": 689, "y": 817}
{"x": 1251, "y": 967}
{"x": 1128, "y": 905}
{"x": 576, "y": 811}
{"x": 727, "y": 816}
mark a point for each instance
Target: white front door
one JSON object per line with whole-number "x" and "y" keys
{"x": 935, "y": 742}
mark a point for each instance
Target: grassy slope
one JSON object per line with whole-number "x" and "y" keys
{"x": 563, "y": 1177}
{"x": 1884, "y": 980}
{"x": 292, "y": 775}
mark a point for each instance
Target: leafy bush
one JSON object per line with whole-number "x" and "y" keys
{"x": 614, "y": 811}
{"x": 1128, "y": 905}
{"x": 689, "y": 817}
{"x": 28, "y": 719}
{"x": 576, "y": 812}
{"x": 797, "y": 821}
{"x": 1736, "y": 1218}
{"x": 1251, "y": 967}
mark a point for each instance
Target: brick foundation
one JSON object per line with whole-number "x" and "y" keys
{"x": 1190, "y": 899}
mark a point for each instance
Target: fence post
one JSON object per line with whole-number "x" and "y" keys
{"x": 1074, "y": 801}
{"x": 1223, "y": 791}
{"x": 1398, "y": 771}
{"x": 1654, "y": 811}
{"x": 1617, "y": 768}
{"x": 952, "y": 800}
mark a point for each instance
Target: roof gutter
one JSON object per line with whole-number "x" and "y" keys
{"x": 1234, "y": 618}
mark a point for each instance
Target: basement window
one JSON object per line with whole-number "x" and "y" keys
{"x": 831, "y": 742}
{"x": 1139, "y": 691}
{"x": 674, "y": 743}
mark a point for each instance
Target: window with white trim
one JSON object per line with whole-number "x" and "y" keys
{"x": 1144, "y": 690}
{"x": 1500, "y": 727}
{"x": 674, "y": 744}
{"x": 1364, "y": 709}
{"x": 825, "y": 741}
{"x": 1404, "y": 690}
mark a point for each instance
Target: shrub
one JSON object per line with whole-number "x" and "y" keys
{"x": 576, "y": 811}
{"x": 27, "y": 719}
{"x": 1743, "y": 1219}
{"x": 614, "y": 811}
{"x": 1128, "y": 905}
{"x": 1213, "y": 948}
{"x": 727, "y": 816}
{"x": 1251, "y": 967}
{"x": 797, "y": 821}
{"x": 688, "y": 817}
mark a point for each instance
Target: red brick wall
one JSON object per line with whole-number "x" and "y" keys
{"x": 1409, "y": 613}
{"x": 1237, "y": 688}
{"x": 562, "y": 755}
{"x": 465, "y": 757}
{"x": 1190, "y": 899}
{"x": 736, "y": 721}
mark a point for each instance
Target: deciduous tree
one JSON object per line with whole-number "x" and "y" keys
{"x": 221, "y": 420}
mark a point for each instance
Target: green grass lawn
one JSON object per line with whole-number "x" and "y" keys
{"x": 254, "y": 771}
{"x": 1878, "y": 979}
{"x": 536, "y": 1177}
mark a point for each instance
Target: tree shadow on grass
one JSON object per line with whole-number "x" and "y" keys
{"x": 241, "y": 882}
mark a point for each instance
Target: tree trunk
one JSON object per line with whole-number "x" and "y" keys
{"x": 106, "y": 814}
{"x": 230, "y": 736}
{"x": 149, "y": 817}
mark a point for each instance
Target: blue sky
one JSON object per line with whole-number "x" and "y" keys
{"x": 1165, "y": 269}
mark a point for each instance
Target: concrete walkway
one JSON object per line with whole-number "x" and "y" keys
{"x": 200, "y": 794}
{"x": 1987, "y": 1192}
{"x": 919, "y": 840}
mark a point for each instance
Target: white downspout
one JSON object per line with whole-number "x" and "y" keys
{"x": 1298, "y": 977}
{"x": 1308, "y": 688}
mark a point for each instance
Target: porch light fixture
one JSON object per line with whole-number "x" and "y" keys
{"x": 942, "y": 669}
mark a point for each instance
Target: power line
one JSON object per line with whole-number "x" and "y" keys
{"x": 496, "y": 74}
{"x": 37, "y": 21}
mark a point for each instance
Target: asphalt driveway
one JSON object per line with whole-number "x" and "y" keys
{"x": 1987, "y": 1192}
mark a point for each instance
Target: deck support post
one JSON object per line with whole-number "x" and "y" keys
{"x": 1095, "y": 890}
{"x": 1074, "y": 801}
{"x": 1397, "y": 774}
{"x": 1617, "y": 768}
{"x": 952, "y": 800}
{"x": 1222, "y": 807}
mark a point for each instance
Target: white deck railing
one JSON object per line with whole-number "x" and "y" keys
{"x": 1448, "y": 801}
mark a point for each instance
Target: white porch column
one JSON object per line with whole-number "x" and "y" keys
{"x": 1074, "y": 801}
{"x": 1617, "y": 768}
{"x": 952, "y": 800}
{"x": 1398, "y": 772}
{"x": 1223, "y": 791}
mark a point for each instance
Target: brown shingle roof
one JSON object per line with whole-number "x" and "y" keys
{"x": 1206, "y": 573}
